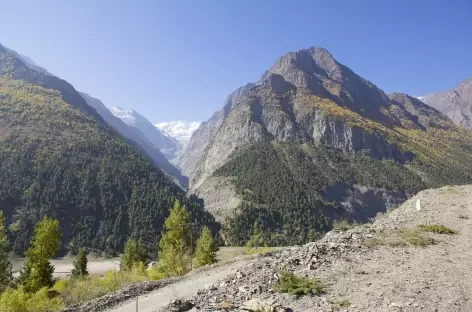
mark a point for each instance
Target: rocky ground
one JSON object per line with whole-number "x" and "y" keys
{"x": 358, "y": 271}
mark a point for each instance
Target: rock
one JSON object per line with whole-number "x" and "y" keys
{"x": 261, "y": 305}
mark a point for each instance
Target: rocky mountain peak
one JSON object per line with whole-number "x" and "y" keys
{"x": 455, "y": 103}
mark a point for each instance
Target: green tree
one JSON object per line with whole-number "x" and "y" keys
{"x": 45, "y": 245}
{"x": 175, "y": 248}
{"x": 206, "y": 248}
{"x": 5, "y": 264}
{"x": 80, "y": 264}
{"x": 135, "y": 253}
{"x": 256, "y": 240}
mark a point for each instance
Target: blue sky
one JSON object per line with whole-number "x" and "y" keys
{"x": 179, "y": 59}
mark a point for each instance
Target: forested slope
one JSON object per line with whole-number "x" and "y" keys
{"x": 59, "y": 158}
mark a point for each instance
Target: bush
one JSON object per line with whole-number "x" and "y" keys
{"x": 18, "y": 300}
{"x": 299, "y": 285}
{"x": 437, "y": 228}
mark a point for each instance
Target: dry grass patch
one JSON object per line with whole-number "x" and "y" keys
{"x": 338, "y": 304}
{"x": 344, "y": 225}
{"x": 402, "y": 238}
{"x": 437, "y": 228}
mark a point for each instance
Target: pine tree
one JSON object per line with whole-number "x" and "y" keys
{"x": 80, "y": 264}
{"x": 45, "y": 244}
{"x": 206, "y": 248}
{"x": 5, "y": 264}
{"x": 135, "y": 253}
{"x": 175, "y": 249}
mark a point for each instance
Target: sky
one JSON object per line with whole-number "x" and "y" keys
{"x": 179, "y": 59}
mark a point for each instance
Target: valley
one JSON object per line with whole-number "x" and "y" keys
{"x": 171, "y": 183}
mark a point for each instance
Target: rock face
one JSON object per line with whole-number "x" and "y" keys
{"x": 456, "y": 103}
{"x": 307, "y": 98}
{"x": 134, "y": 134}
{"x": 205, "y": 132}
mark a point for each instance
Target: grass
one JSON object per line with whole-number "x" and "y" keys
{"x": 299, "y": 285}
{"x": 259, "y": 250}
{"x": 338, "y": 304}
{"x": 402, "y": 238}
{"x": 437, "y": 228}
{"x": 343, "y": 225}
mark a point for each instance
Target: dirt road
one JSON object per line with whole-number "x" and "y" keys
{"x": 182, "y": 289}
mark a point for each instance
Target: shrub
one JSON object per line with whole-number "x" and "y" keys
{"x": 299, "y": 285}
{"x": 437, "y": 228}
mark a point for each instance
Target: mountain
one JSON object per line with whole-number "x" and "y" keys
{"x": 134, "y": 134}
{"x": 179, "y": 130}
{"x": 456, "y": 103}
{"x": 312, "y": 141}
{"x": 169, "y": 146}
{"x": 58, "y": 157}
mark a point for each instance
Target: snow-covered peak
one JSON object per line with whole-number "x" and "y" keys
{"x": 127, "y": 115}
{"x": 179, "y": 129}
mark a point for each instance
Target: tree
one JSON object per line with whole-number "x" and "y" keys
{"x": 5, "y": 264}
{"x": 80, "y": 264}
{"x": 135, "y": 253}
{"x": 44, "y": 245}
{"x": 206, "y": 248}
{"x": 175, "y": 248}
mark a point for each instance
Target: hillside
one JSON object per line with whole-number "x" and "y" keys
{"x": 455, "y": 103}
{"x": 312, "y": 142}
{"x": 59, "y": 158}
{"x": 388, "y": 265}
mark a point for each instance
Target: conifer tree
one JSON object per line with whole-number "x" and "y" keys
{"x": 5, "y": 264}
{"x": 80, "y": 264}
{"x": 175, "y": 249}
{"x": 135, "y": 253}
{"x": 46, "y": 242}
{"x": 206, "y": 248}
